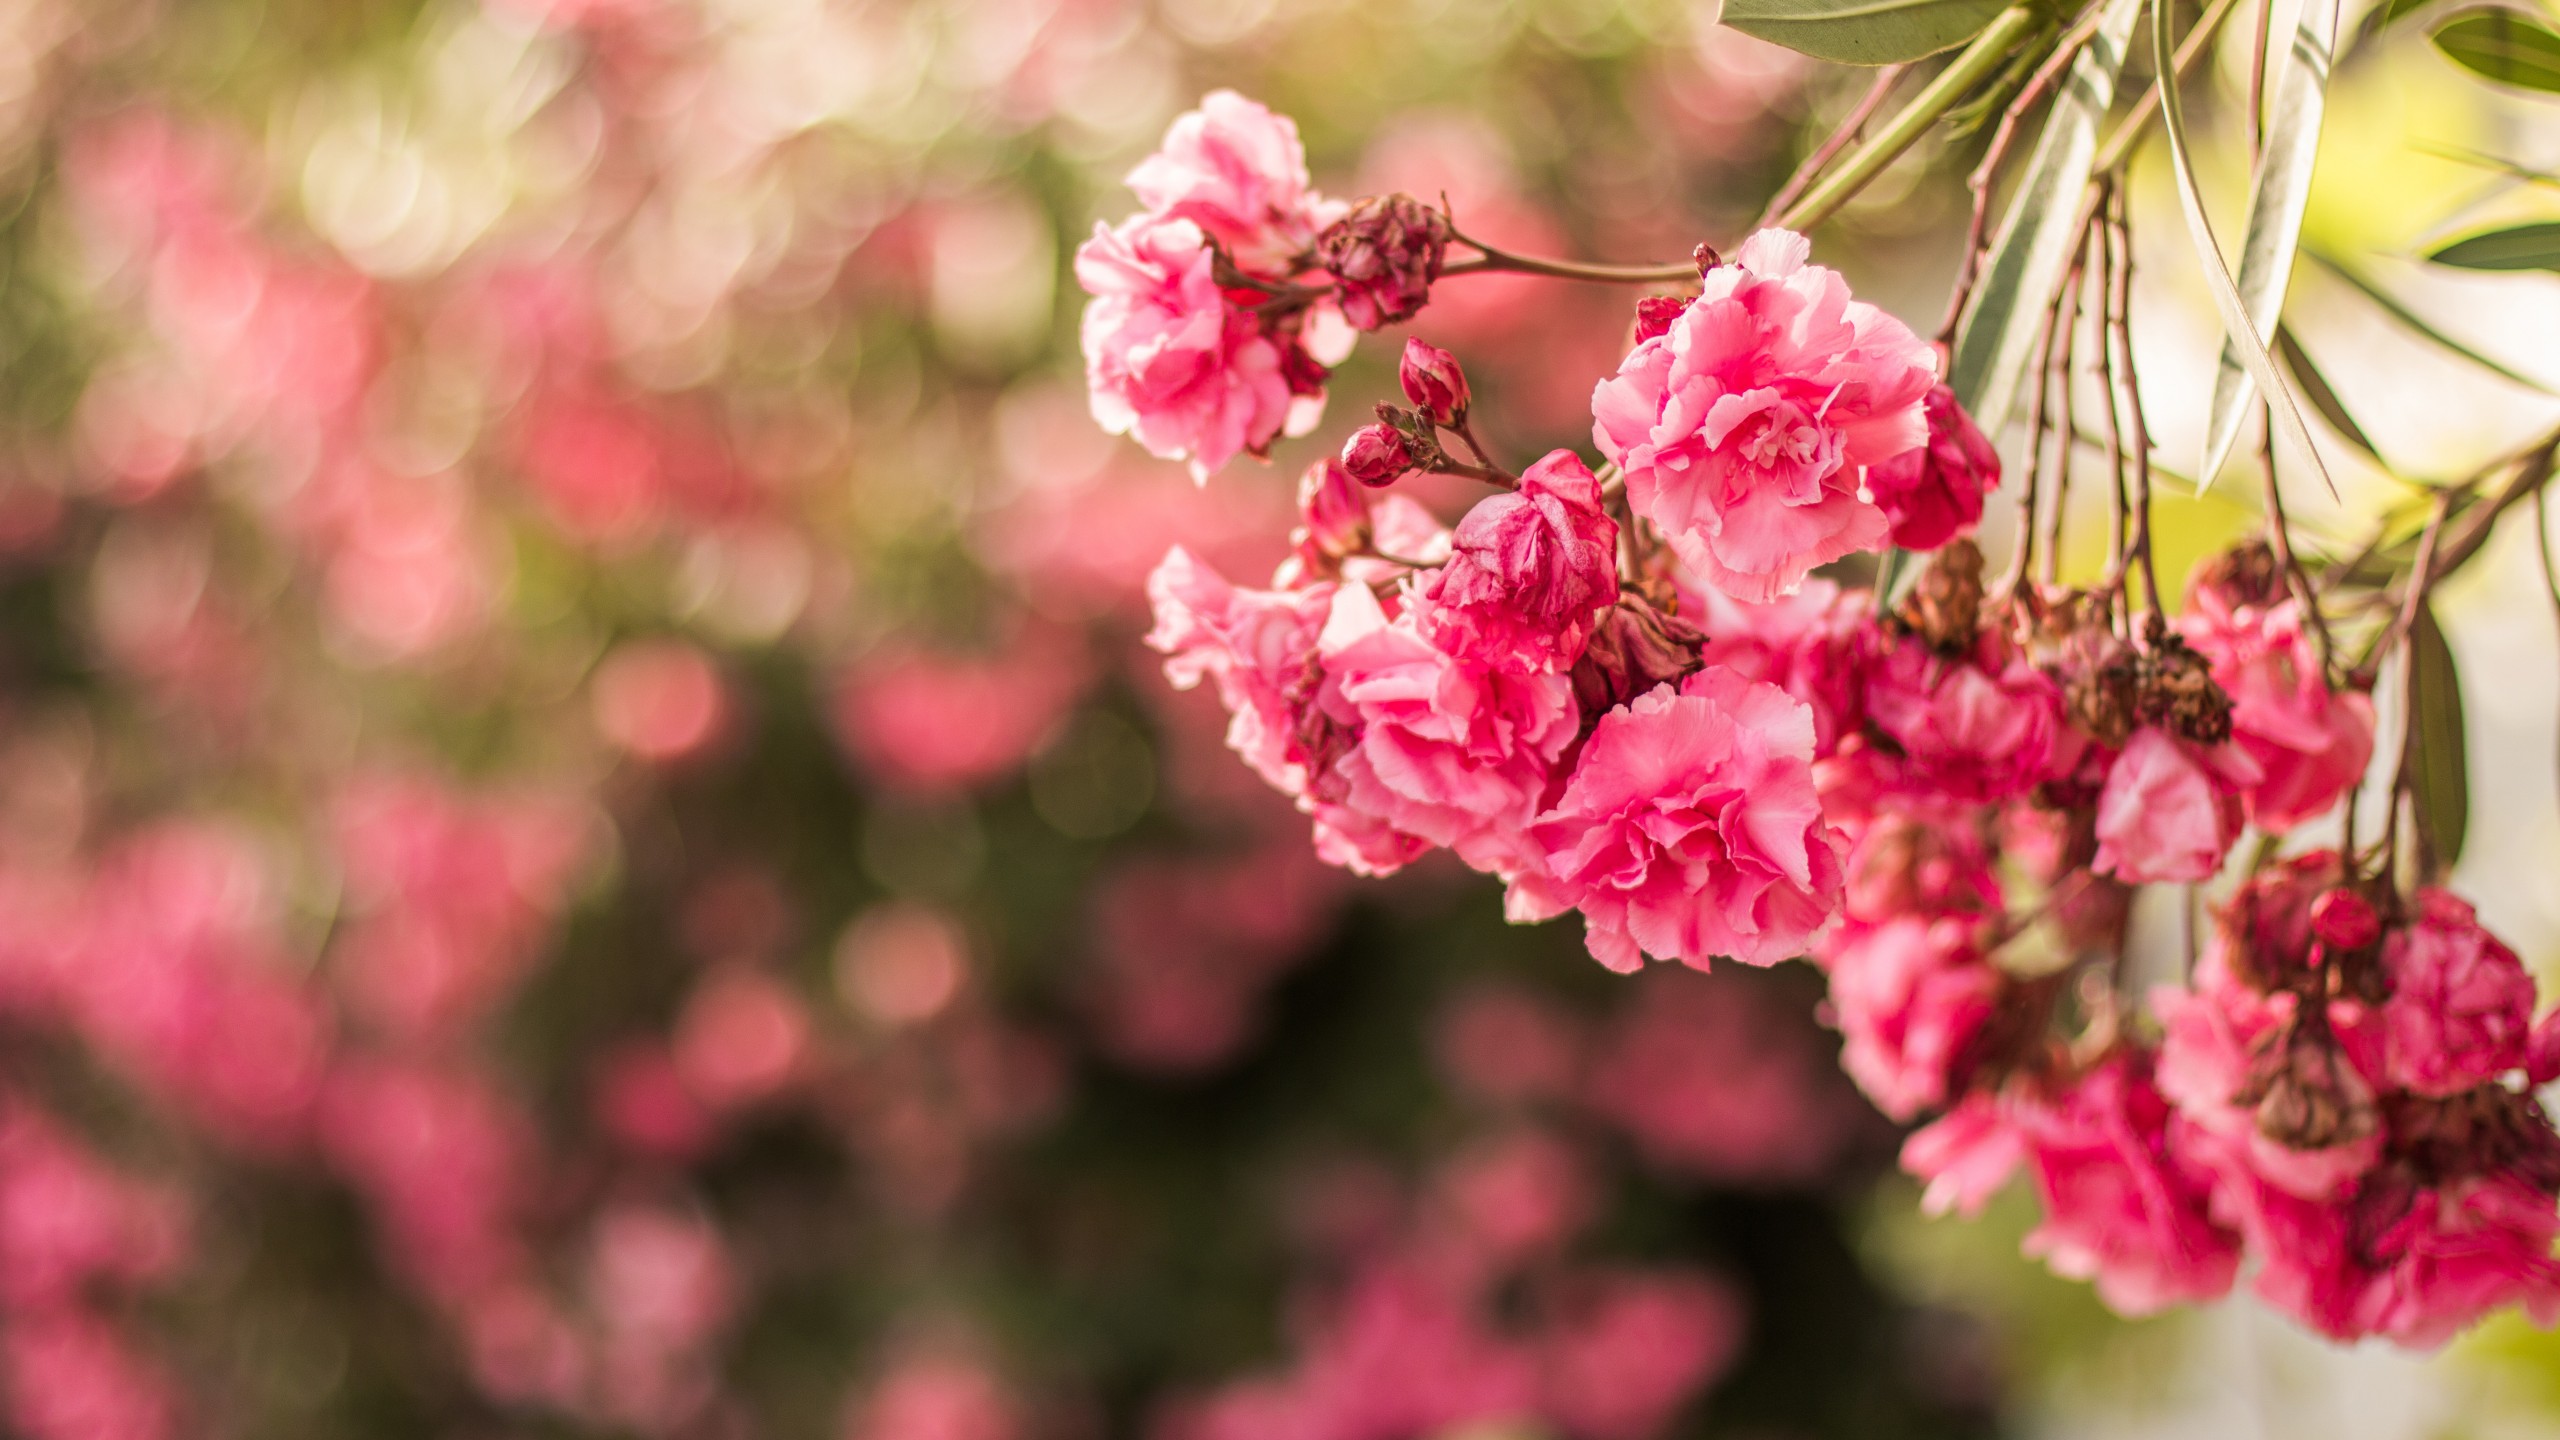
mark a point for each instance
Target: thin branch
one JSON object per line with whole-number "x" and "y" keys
{"x": 1496, "y": 261}
{"x": 1831, "y": 147}
{"x": 1985, "y": 173}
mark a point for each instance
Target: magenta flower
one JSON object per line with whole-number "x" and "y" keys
{"x": 1533, "y": 567}
{"x": 1933, "y": 492}
{"x": 1910, "y": 997}
{"x": 2461, "y": 1006}
{"x": 1260, "y": 648}
{"x": 1690, "y": 828}
{"x": 1981, "y": 728}
{"x": 2311, "y": 743}
{"x": 1444, "y": 750}
{"x": 2170, "y": 809}
{"x": 1238, "y": 171}
{"x": 1745, "y": 428}
{"x": 2124, "y": 1209}
{"x": 1167, "y": 360}
{"x": 1810, "y": 644}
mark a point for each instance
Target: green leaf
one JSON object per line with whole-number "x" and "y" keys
{"x": 2277, "y": 195}
{"x": 2505, "y": 45}
{"x": 2439, "y": 746}
{"x": 1863, "y": 32}
{"x": 2525, "y": 247}
{"x": 2032, "y": 247}
{"x": 2316, "y": 389}
{"x": 2418, "y": 325}
{"x": 2382, "y": 17}
{"x": 2217, "y": 277}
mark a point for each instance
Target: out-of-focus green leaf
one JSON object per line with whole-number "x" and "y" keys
{"x": 2316, "y": 389}
{"x": 2507, "y": 46}
{"x": 2032, "y": 247}
{"x": 2277, "y": 195}
{"x": 2382, "y": 17}
{"x": 2524, "y": 247}
{"x": 1863, "y": 32}
{"x": 2391, "y": 306}
{"x": 2439, "y": 756}
{"x": 2217, "y": 277}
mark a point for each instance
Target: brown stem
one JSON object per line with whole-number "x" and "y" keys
{"x": 2297, "y": 580}
{"x": 1466, "y": 432}
{"x": 1493, "y": 260}
{"x": 2140, "y": 543}
{"x": 2066, "y": 345}
{"x": 1830, "y": 148}
{"x": 1980, "y": 182}
{"x": 2110, "y": 297}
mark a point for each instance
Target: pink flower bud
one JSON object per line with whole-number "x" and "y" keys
{"x": 1376, "y": 455}
{"x": 1933, "y": 492}
{"x": 1383, "y": 256}
{"x": 1333, "y": 517}
{"x": 2344, "y": 920}
{"x": 1433, "y": 382}
{"x": 1654, "y": 314}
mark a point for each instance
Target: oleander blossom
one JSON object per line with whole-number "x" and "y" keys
{"x": 1532, "y": 569}
{"x": 1259, "y": 646}
{"x": 2125, "y": 1209}
{"x": 2461, "y": 1003}
{"x": 1981, "y": 727}
{"x": 2170, "y": 808}
{"x": 1933, "y": 492}
{"x": 1910, "y": 998}
{"x": 1745, "y": 429}
{"x": 1810, "y": 644}
{"x": 1443, "y": 749}
{"x": 1237, "y": 170}
{"x": 1690, "y": 829}
{"x": 2311, "y": 744}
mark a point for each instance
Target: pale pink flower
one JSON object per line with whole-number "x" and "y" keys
{"x": 2124, "y": 1209}
{"x": 1810, "y": 644}
{"x": 1965, "y": 1156}
{"x": 1745, "y": 428}
{"x": 1237, "y": 171}
{"x": 2311, "y": 743}
{"x": 1983, "y": 727}
{"x": 1722, "y": 1078}
{"x": 1910, "y": 997}
{"x": 1532, "y": 568}
{"x": 1627, "y": 1348}
{"x": 1167, "y": 359}
{"x": 1445, "y": 750}
{"x": 1260, "y": 648}
{"x": 929, "y": 720}
{"x": 1691, "y": 830}
{"x": 1933, "y": 492}
{"x": 2170, "y": 809}
{"x": 929, "y": 1396}
{"x": 2461, "y": 1003}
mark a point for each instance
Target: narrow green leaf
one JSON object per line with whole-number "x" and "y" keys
{"x": 2525, "y": 247}
{"x": 2418, "y": 325}
{"x": 2316, "y": 389}
{"x": 2277, "y": 196}
{"x": 2507, "y": 46}
{"x": 2031, "y": 249}
{"x": 2439, "y": 746}
{"x": 2217, "y": 276}
{"x": 1863, "y": 32}
{"x": 2474, "y": 158}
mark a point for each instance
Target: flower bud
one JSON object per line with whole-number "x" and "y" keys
{"x": 1376, "y": 455}
{"x": 1333, "y": 517}
{"x": 1933, "y": 491}
{"x": 2345, "y": 921}
{"x": 1433, "y": 382}
{"x": 1654, "y": 314}
{"x": 1634, "y": 648}
{"x": 1383, "y": 256}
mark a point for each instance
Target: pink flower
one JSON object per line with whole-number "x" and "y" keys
{"x": 1690, "y": 828}
{"x": 1809, "y": 644}
{"x": 1746, "y": 427}
{"x": 2415, "y": 1265}
{"x": 2170, "y": 809}
{"x": 1383, "y": 255}
{"x": 1933, "y": 492}
{"x": 2123, "y": 1207}
{"x": 1629, "y": 1348}
{"x": 1720, "y": 1077}
{"x": 1981, "y": 728}
{"x": 1260, "y": 648}
{"x": 1910, "y": 996}
{"x": 1237, "y": 171}
{"x": 2461, "y": 1003}
{"x": 2311, "y": 743}
{"x": 1532, "y": 568}
{"x": 2214, "y": 1036}
{"x": 1965, "y": 1156}
{"x": 1167, "y": 359}
{"x": 927, "y": 720}
{"x": 1445, "y": 750}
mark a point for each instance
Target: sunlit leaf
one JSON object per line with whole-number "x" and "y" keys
{"x": 2439, "y": 747}
{"x": 2417, "y": 324}
{"x": 2525, "y": 247}
{"x": 2033, "y": 244}
{"x": 2316, "y": 389}
{"x": 2505, "y": 45}
{"x": 2277, "y": 195}
{"x": 2217, "y": 276}
{"x": 1863, "y": 32}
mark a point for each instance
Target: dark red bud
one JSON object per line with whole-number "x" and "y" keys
{"x": 1654, "y": 314}
{"x": 1433, "y": 382}
{"x": 1376, "y": 455}
{"x": 2345, "y": 921}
